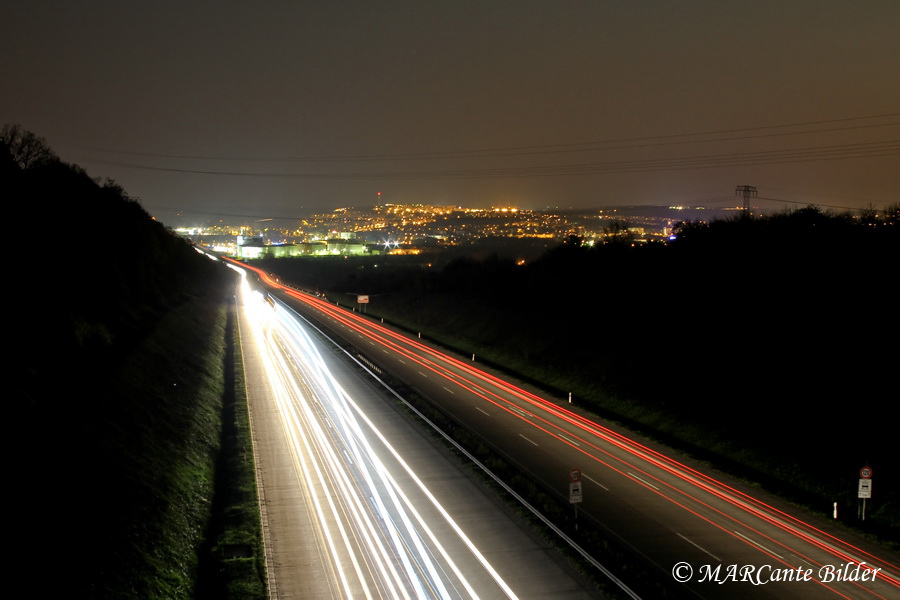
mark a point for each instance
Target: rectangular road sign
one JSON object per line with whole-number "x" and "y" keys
{"x": 575, "y": 492}
{"x": 865, "y": 488}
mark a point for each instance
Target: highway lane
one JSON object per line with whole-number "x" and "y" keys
{"x": 666, "y": 511}
{"x": 357, "y": 503}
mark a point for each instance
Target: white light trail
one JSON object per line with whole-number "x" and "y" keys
{"x": 382, "y": 532}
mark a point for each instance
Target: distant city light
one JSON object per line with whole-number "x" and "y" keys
{"x": 415, "y": 228}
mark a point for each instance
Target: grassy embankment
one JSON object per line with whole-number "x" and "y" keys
{"x": 235, "y": 564}
{"x": 169, "y": 509}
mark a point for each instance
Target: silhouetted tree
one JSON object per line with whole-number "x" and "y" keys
{"x": 25, "y": 148}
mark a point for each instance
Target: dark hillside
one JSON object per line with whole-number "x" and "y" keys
{"x": 115, "y": 430}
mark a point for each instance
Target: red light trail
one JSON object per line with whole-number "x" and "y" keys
{"x": 563, "y": 425}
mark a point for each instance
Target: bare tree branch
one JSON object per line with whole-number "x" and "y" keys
{"x": 26, "y": 149}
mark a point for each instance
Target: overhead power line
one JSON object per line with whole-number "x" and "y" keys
{"x": 611, "y": 144}
{"x": 705, "y": 161}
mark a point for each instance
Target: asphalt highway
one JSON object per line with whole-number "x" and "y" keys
{"x": 712, "y": 537}
{"x": 357, "y": 503}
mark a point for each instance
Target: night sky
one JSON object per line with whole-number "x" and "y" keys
{"x": 283, "y": 108}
